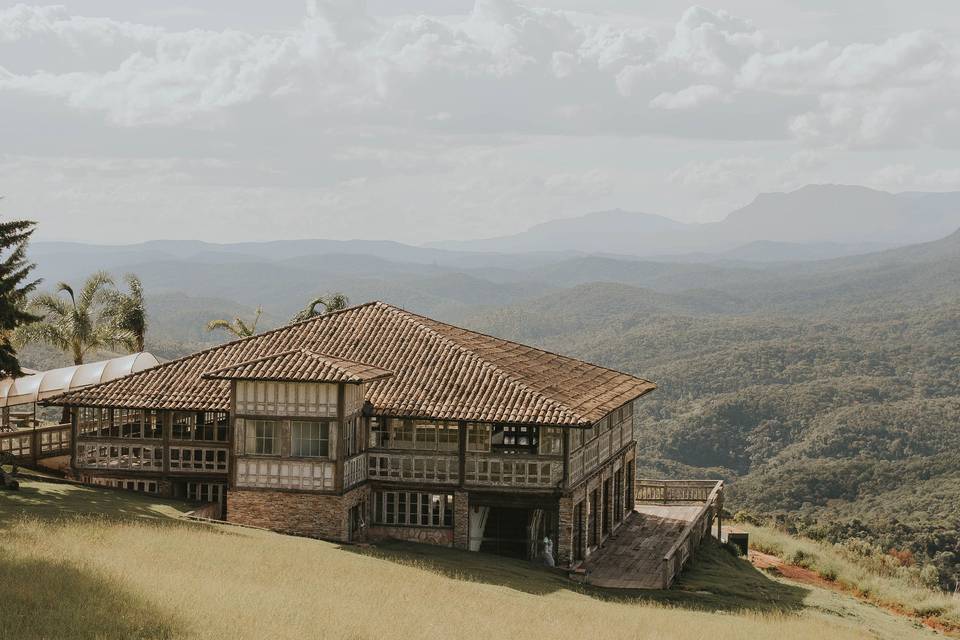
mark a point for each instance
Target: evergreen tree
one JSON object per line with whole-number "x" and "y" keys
{"x": 15, "y": 286}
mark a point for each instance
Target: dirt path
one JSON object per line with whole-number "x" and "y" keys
{"x": 791, "y": 572}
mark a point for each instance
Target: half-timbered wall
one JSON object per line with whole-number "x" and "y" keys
{"x": 286, "y": 398}
{"x": 590, "y": 448}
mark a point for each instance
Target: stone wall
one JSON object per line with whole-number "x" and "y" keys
{"x": 428, "y": 535}
{"x": 304, "y": 513}
{"x": 461, "y": 520}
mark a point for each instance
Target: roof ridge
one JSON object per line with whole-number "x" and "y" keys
{"x": 229, "y": 343}
{"x": 317, "y": 355}
{"x": 410, "y": 316}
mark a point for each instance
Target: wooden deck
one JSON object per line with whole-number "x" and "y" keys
{"x": 632, "y": 558}
{"x": 658, "y": 538}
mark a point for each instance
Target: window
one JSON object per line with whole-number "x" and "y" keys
{"x": 379, "y": 435}
{"x": 578, "y": 531}
{"x": 618, "y": 495}
{"x": 606, "y": 507}
{"x": 478, "y": 437}
{"x": 183, "y": 425}
{"x": 353, "y": 432}
{"x": 401, "y": 434}
{"x": 551, "y": 442}
{"x": 425, "y": 436}
{"x": 263, "y": 437}
{"x": 594, "y": 522}
{"x": 628, "y": 502}
{"x": 413, "y": 508}
{"x": 508, "y": 438}
{"x": 204, "y": 492}
{"x": 310, "y": 439}
{"x": 576, "y": 439}
{"x": 448, "y": 437}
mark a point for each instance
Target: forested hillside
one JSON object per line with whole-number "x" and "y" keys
{"x": 830, "y": 400}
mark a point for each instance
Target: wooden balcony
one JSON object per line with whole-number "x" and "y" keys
{"x": 35, "y": 443}
{"x": 539, "y": 472}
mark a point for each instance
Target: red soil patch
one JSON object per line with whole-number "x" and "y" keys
{"x": 803, "y": 575}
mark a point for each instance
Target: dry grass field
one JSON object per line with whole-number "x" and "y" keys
{"x": 78, "y": 562}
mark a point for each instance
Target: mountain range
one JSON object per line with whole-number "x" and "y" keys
{"x": 832, "y": 219}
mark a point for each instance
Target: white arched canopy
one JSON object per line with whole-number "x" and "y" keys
{"x": 44, "y": 384}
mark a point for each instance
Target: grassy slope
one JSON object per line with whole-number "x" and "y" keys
{"x": 134, "y": 571}
{"x": 871, "y": 578}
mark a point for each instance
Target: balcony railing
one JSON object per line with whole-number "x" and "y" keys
{"x": 416, "y": 467}
{"x": 354, "y": 470}
{"x": 37, "y": 442}
{"x": 513, "y": 471}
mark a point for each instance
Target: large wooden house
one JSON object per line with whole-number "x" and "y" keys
{"x": 374, "y": 422}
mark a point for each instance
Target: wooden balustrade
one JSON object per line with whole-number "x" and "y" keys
{"x": 354, "y": 470}
{"x": 37, "y": 442}
{"x": 673, "y": 491}
{"x": 414, "y": 466}
{"x": 513, "y": 471}
{"x": 683, "y": 549}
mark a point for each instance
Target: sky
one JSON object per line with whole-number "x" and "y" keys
{"x": 422, "y": 120}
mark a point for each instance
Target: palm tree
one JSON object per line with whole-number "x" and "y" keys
{"x": 238, "y": 327}
{"x": 333, "y": 302}
{"x": 128, "y": 314}
{"x": 75, "y": 324}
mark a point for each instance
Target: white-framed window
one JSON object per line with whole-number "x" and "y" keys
{"x": 478, "y": 438}
{"x": 412, "y": 508}
{"x": 551, "y": 441}
{"x": 263, "y": 437}
{"x": 309, "y": 439}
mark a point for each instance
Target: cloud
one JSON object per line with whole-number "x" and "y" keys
{"x": 689, "y": 98}
{"x": 905, "y": 176}
{"x": 504, "y": 67}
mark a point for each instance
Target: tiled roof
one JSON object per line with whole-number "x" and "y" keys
{"x": 439, "y": 371}
{"x": 300, "y": 365}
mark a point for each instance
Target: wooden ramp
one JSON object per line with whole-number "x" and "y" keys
{"x": 632, "y": 557}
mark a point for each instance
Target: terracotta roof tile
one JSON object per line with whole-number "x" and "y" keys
{"x": 300, "y": 365}
{"x": 439, "y": 371}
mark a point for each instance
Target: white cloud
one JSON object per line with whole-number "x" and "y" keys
{"x": 905, "y": 176}
{"x": 490, "y": 114}
{"x": 689, "y": 98}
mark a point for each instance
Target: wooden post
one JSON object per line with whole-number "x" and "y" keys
{"x": 461, "y": 451}
{"x": 35, "y": 445}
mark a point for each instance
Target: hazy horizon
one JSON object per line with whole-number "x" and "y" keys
{"x": 458, "y": 120}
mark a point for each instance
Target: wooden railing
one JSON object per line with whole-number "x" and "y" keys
{"x": 683, "y": 549}
{"x": 37, "y": 442}
{"x": 413, "y": 466}
{"x": 673, "y": 491}
{"x": 354, "y": 470}
{"x": 513, "y": 471}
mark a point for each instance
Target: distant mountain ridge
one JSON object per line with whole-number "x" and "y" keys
{"x": 847, "y": 219}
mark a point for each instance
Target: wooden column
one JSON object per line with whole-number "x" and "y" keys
{"x": 462, "y": 429}
{"x": 341, "y": 432}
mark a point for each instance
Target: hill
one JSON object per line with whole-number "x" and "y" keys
{"x": 124, "y": 566}
{"x": 826, "y": 394}
{"x": 833, "y": 220}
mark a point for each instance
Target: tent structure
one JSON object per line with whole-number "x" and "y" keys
{"x": 44, "y": 384}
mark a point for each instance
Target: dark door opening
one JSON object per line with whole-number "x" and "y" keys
{"x": 506, "y": 532}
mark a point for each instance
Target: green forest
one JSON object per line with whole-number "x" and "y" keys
{"x": 834, "y": 416}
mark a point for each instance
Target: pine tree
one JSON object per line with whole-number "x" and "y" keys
{"x": 14, "y": 289}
